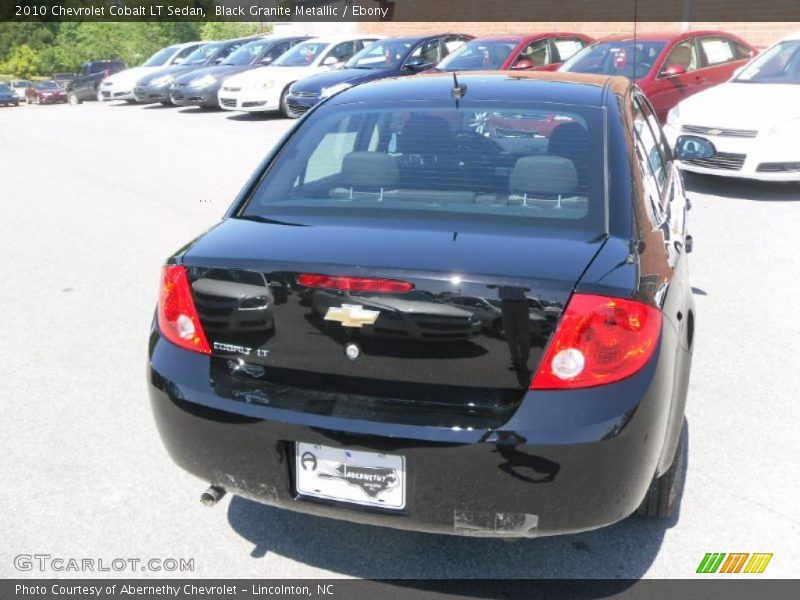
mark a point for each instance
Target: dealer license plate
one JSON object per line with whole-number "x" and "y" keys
{"x": 366, "y": 478}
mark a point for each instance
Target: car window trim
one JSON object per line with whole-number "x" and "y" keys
{"x": 667, "y": 160}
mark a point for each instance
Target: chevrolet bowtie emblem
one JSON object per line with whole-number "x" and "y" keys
{"x": 352, "y": 315}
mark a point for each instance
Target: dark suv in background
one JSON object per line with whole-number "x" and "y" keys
{"x": 86, "y": 85}
{"x": 392, "y": 57}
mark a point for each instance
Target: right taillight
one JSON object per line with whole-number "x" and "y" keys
{"x": 599, "y": 340}
{"x": 177, "y": 316}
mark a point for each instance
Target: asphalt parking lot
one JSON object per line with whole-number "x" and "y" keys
{"x": 94, "y": 197}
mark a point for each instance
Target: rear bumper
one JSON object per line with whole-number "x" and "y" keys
{"x": 565, "y": 462}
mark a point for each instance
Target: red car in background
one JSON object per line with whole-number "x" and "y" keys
{"x": 668, "y": 67}
{"x": 45, "y": 92}
{"x": 537, "y": 52}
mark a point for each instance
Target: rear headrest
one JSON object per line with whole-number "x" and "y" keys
{"x": 370, "y": 170}
{"x": 569, "y": 140}
{"x": 425, "y": 134}
{"x": 549, "y": 175}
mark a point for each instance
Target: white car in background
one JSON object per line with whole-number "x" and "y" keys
{"x": 753, "y": 120}
{"x": 265, "y": 89}
{"x": 119, "y": 86}
{"x": 19, "y": 86}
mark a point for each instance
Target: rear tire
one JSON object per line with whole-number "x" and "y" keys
{"x": 664, "y": 496}
{"x": 73, "y": 99}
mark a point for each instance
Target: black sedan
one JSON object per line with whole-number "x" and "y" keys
{"x": 7, "y": 96}
{"x": 392, "y": 57}
{"x": 200, "y": 87}
{"x": 155, "y": 87}
{"x": 339, "y": 405}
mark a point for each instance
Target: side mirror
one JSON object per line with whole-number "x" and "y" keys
{"x": 525, "y": 63}
{"x": 673, "y": 70}
{"x": 266, "y": 60}
{"x": 416, "y": 63}
{"x": 690, "y": 147}
{"x": 330, "y": 61}
{"x": 177, "y": 61}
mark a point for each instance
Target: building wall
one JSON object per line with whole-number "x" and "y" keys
{"x": 758, "y": 34}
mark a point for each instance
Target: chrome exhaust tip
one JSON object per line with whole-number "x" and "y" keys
{"x": 212, "y": 495}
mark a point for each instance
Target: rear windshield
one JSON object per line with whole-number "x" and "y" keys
{"x": 4, "y": 89}
{"x": 99, "y": 67}
{"x": 48, "y": 85}
{"x": 625, "y": 58}
{"x": 516, "y": 163}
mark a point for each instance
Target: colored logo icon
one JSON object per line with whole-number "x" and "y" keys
{"x": 737, "y": 562}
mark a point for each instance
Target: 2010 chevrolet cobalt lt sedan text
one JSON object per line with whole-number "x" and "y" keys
{"x": 308, "y": 351}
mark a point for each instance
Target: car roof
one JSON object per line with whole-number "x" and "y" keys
{"x": 666, "y": 36}
{"x": 421, "y": 38}
{"x": 523, "y": 37}
{"x": 539, "y": 86}
{"x": 501, "y": 38}
{"x": 334, "y": 39}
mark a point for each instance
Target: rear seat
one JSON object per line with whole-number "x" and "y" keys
{"x": 374, "y": 176}
{"x": 540, "y": 181}
{"x": 367, "y": 176}
{"x": 535, "y": 181}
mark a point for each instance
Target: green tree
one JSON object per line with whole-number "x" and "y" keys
{"x": 226, "y": 30}
{"x": 131, "y": 42}
{"x": 36, "y": 36}
{"x": 24, "y": 62}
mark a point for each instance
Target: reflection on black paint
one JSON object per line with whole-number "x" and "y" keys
{"x": 517, "y": 461}
{"x": 429, "y": 347}
{"x": 516, "y": 325}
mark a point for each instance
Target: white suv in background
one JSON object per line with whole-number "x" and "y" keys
{"x": 265, "y": 89}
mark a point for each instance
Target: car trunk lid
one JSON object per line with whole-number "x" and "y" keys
{"x": 468, "y": 335}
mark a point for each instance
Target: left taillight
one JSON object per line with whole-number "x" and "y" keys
{"x": 599, "y": 340}
{"x": 177, "y": 316}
